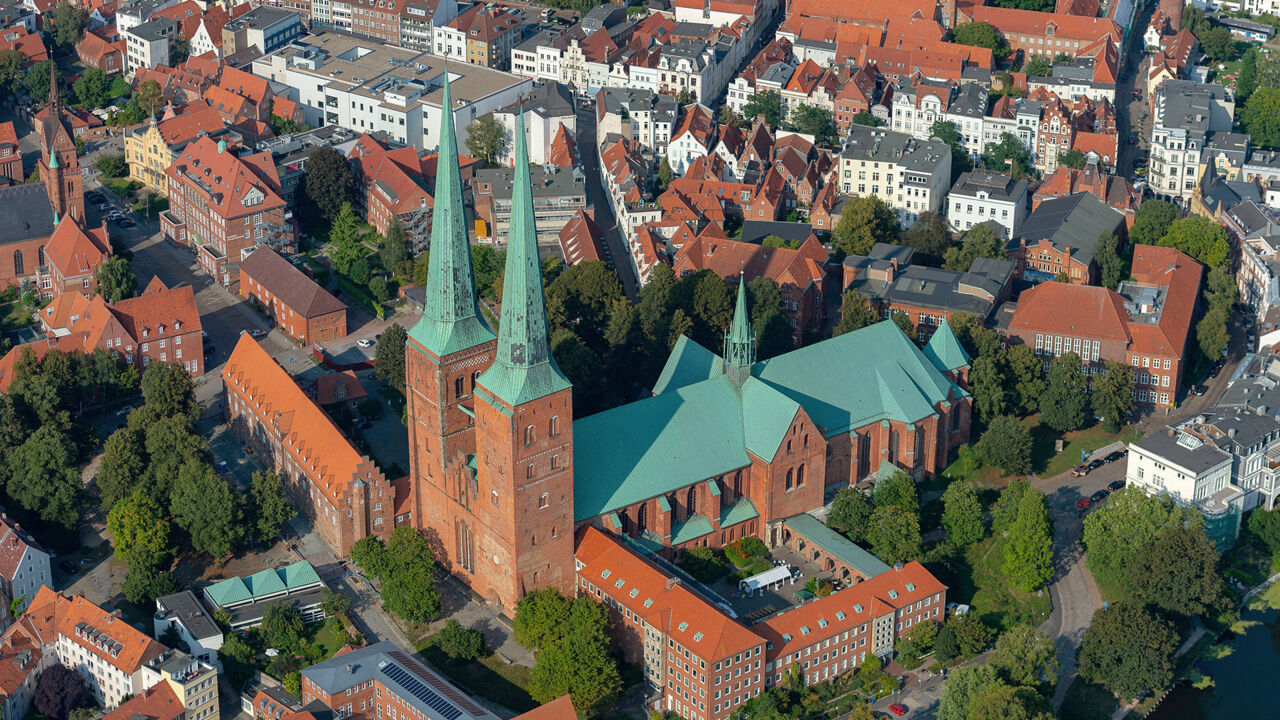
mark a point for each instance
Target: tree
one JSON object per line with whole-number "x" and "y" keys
{"x": 293, "y": 682}
{"x": 1073, "y": 159}
{"x": 866, "y": 118}
{"x": 12, "y": 68}
{"x": 577, "y": 660}
{"x": 237, "y": 658}
{"x": 851, "y": 513}
{"x": 404, "y": 566}
{"x": 1220, "y": 288}
{"x": 814, "y": 120}
{"x": 170, "y": 443}
{"x": 460, "y": 643}
{"x": 963, "y": 684}
{"x": 1201, "y": 238}
{"x": 202, "y": 504}
{"x": 1247, "y": 81}
{"x": 335, "y": 604}
{"x": 1006, "y": 444}
{"x": 1106, "y": 252}
{"x": 344, "y": 247}
{"x": 283, "y": 626}
{"x": 1128, "y": 650}
{"x": 150, "y": 99}
{"x": 894, "y": 534}
{"x": 665, "y": 174}
{"x": 779, "y": 242}
{"x": 388, "y": 359}
{"x": 1028, "y": 548}
{"x": 1116, "y": 533}
{"x": 773, "y": 332}
{"x": 36, "y": 80}
{"x": 1113, "y": 395}
{"x": 962, "y": 514}
{"x": 167, "y": 390}
{"x": 1006, "y": 702}
{"x": 898, "y": 489}
{"x": 379, "y": 288}
{"x": 1212, "y": 334}
{"x": 112, "y": 166}
{"x": 946, "y": 647}
{"x": 270, "y": 508}
{"x": 93, "y": 88}
{"x": 486, "y": 137}
{"x": 928, "y": 235}
{"x": 855, "y": 313}
{"x": 1217, "y": 43}
{"x": 328, "y": 181}
{"x": 903, "y": 320}
{"x": 1022, "y": 370}
{"x": 60, "y": 690}
{"x": 68, "y": 22}
{"x": 767, "y": 103}
{"x": 395, "y": 248}
{"x": 864, "y": 221}
{"x": 123, "y": 463}
{"x": 137, "y": 525}
{"x": 979, "y": 241}
{"x": 989, "y": 387}
{"x": 971, "y": 633}
{"x": 981, "y": 34}
{"x": 1065, "y": 401}
{"x": 539, "y": 617}
{"x": 1177, "y": 572}
{"x": 42, "y": 478}
{"x": 116, "y": 280}
{"x": 1008, "y": 156}
{"x": 1037, "y": 66}
{"x": 1263, "y": 527}
{"x": 1151, "y": 222}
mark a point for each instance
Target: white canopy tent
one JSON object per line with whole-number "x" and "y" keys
{"x": 773, "y": 576}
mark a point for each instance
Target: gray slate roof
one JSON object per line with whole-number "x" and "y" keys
{"x": 30, "y": 213}
{"x": 1073, "y": 221}
{"x": 1199, "y": 459}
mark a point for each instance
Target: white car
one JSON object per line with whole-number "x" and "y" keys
{"x": 364, "y": 342}
{"x": 124, "y": 410}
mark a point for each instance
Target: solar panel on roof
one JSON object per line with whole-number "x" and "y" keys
{"x": 428, "y": 696}
{"x": 444, "y": 688}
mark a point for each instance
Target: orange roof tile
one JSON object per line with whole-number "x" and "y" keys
{"x": 1030, "y": 22}
{"x": 230, "y": 179}
{"x": 112, "y": 640}
{"x": 730, "y": 258}
{"x": 182, "y": 128}
{"x": 157, "y": 702}
{"x": 580, "y": 239}
{"x": 559, "y": 709}
{"x": 865, "y": 11}
{"x": 75, "y": 251}
{"x": 1175, "y": 270}
{"x": 1095, "y": 311}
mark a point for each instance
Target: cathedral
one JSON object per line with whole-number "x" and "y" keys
{"x": 725, "y": 447}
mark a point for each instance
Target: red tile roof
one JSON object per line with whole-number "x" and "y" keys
{"x": 230, "y": 179}
{"x": 158, "y": 702}
{"x": 580, "y": 239}
{"x": 1030, "y": 22}
{"x": 668, "y": 605}
{"x": 1176, "y": 271}
{"x": 122, "y": 646}
{"x": 559, "y": 709}
{"x": 860, "y": 11}
{"x": 697, "y": 121}
{"x": 160, "y": 312}
{"x": 75, "y": 251}
{"x": 730, "y": 258}
{"x": 14, "y": 544}
{"x": 29, "y": 44}
{"x": 182, "y": 128}
{"x": 1071, "y": 309}
{"x": 564, "y": 149}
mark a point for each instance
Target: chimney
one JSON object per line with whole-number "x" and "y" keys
{"x": 350, "y": 668}
{"x": 893, "y": 269}
{"x": 897, "y": 567}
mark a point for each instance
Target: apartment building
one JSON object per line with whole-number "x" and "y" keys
{"x": 193, "y": 682}
{"x": 383, "y": 681}
{"x": 71, "y": 259}
{"x": 24, "y": 565}
{"x": 132, "y": 13}
{"x": 980, "y": 196}
{"x": 694, "y": 137}
{"x": 366, "y": 86}
{"x": 558, "y": 194}
{"x": 150, "y": 148}
{"x": 911, "y": 175}
{"x": 480, "y": 36}
{"x": 391, "y": 187}
{"x": 183, "y": 612}
{"x": 344, "y": 493}
{"x": 420, "y": 18}
{"x": 147, "y": 44}
{"x": 643, "y": 116}
{"x": 291, "y": 300}
{"x": 548, "y": 108}
{"x": 1145, "y": 323}
{"x": 103, "y": 49}
{"x": 265, "y": 28}
{"x": 1185, "y": 115}
{"x": 223, "y": 206}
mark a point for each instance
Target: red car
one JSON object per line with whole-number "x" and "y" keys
{"x": 1083, "y": 503}
{"x": 898, "y": 709}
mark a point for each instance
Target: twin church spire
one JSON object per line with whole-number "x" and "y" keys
{"x": 523, "y": 368}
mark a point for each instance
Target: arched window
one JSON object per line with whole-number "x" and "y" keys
{"x": 553, "y": 426}
{"x": 528, "y": 435}
{"x": 474, "y": 377}
{"x": 18, "y": 267}
{"x": 691, "y": 501}
{"x": 790, "y": 478}
{"x": 642, "y": 518}
{"x": 737, "y": 484}
{"x": 459, "y": 387}
{"x": 800, "y": 475}
{"x": 40, "y": 255}
{"x": 543, "y": 500}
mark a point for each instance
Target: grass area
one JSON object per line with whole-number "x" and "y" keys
{"x": 490, "y": 677}
{"x": 328, "y": 641}
{"x": 969, "y": 469}
{"x": 998, "y": 604}
{"x": 1110, "y": 591}
{"x": 1049, "y": 464}
{"x": 122, "y": 187}
{"x": 152, "y": 209}
{"x": 359, "y": 294}
{"x": 1086, "y": 701}
{"x": 14, "y": 315}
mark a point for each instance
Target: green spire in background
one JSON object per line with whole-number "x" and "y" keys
{"x": 523, "y": 368}
{"x": 739, "y": 342}
{"x": 451, "y": 319}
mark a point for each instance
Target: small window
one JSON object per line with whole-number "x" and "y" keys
{"x": 544, "y": 500}
{"x": 528, "y": 435}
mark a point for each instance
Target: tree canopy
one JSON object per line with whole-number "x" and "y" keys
{"x": 981, "y": 34}
{"x": 1065, "y": 402}
{"x": 1151, "y": 221}
{"x": 979, "y": 241}
{"x": 864, "y": 221}
{"x": 1116, "y": 533}
{"x": 764, "y": 102}
{"x": 1128, "y": 650}
{"x": 1201, "y": 238}
{"x": 486, "y": 138}
{"x": 328, "y": 181}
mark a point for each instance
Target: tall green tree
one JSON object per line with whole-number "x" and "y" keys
{"x": 329, "y": 182}
{"x": 1008, "y": 156}
{"x": 764, "y": 102}
{"x": 68, "y": 23}
{"x": 1022, "y": 370}
{"x": 1025, "y": 656}
{"x": 486, "y": 137}
{"x": 1247, "y": 81}
{"x": 894, "y": 534}
{"x": 1065, "y": 402}
{"x": 1201, "y": 238}
{"x": 855, "y": 313}
{"x": 202, "y": 504}
{"x": 981, "y": 34}
{"x": 1111, "y": 266}
{"x": 116, "y": 280}
{"x": 1113, "y": 395}
{"x": 93, "y": 89}
{"x": 123, "y": 463}
{"x": 283, "y": 626}
{"x": 928, "y": 236}
{"x": 168, "y": 391}
{"x": 814, "y": 120}
{"x": 962, "y": 514}
{"x": 344, "y": 247}
{"x": 43, "y": 479}
{"x": 851, "y": 514}
{"x": 962, "y": 685}
{"x": 36, "y": 80}
{"x": 990, "y": 388}
{"x": 1128, "y": 650}
{"x": 388, "y": 359}
{"x": 395, "y": 248}
{"x": 270, "y": 509}
{"x": 138, "y": 525}
{"x": 1028, "y": 548}
{"x": 1116, "y": 533}
{"x": 578, "y": 661}
{"x": 1177, "y": 572}
{"x": 1151, "y": 222}
{"x": 1036, "y": 66}
{"x": 12, "y": 64}
{"x": 540, "y": 616}
{"x": 980, "y": 241}
{"x": 149, "y": 98}
{"x": 903, "y": 320}
{"x": 864, "y": 221}
{"x": 897, "y": 489}
{"x": 1212, "y": 335}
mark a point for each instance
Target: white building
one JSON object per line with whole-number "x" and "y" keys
{"x": 980, "y": 196}
{"x": 693, "y": 138}
{"x": 24, "y": 565}
{"x": 132, "y": 14}
{"x": 917, "y": 107}
{"x": 642, "y": 115}
{"x": 1186, "y": 113}
{"x": 147, "y": 44}
{"x": 1189, "y": 470}
{"x": 911, "y": 175}
{"x": 545, "y": 110}
{"x": 367, "y": 86}
{"x": 184, "y": 613}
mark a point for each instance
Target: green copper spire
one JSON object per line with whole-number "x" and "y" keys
{"x": 451, "y": 320}
{"x": 739, "y": 342}
{"x": 523, "y": 368}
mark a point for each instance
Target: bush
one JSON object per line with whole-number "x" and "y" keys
{"x": 704, "y": 564}
{"x": 461, "y": 643}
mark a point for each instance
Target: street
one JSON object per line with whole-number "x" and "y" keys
{"x": 615, "y": 246}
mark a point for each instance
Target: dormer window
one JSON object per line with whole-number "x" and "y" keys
{"x": 144, "y": 332}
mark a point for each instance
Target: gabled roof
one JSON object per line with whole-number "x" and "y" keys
{"x": 159, "y": 312}
{"x": 14, "y": 545}
{"x": 282, "y": 279}
{"x": 580, "y": 239}
{"x": 103, "y": 635}
{"x": 157, "y": 702}
{"x": 234, "y": 185}
{"x": 944, "y": 349}
{"x": 183, "y": 128}
{"x": 74, "y": 251}
{"x": 1095, "y": 311}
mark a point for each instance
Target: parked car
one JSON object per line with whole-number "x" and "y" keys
{"x": 898, "y": 709}
{"x": 127, "y": 224}
{"x": 124, "y": 410}
{"x": 365, "y": 343}
{"x": 1095, "y": 464}
{"x": 1080, "y": 470}
{"x": 1083, "y": 503}
{"x": 1099, "y": 496}
{"x": 1116, "y": 485}
{"x": 1197, "y": 390}
{"x": 257, "y": 333}
{"x": 1112, "y": 457}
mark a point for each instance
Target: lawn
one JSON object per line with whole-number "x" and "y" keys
{"x": 1086, "y": 701}
{"x": 1048, "y": 464}
{"x": 121, "y": 187}
{"x": 490, "y": 677}
{"x": 997, "y": 603}
{"x": 14, "y": 315}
